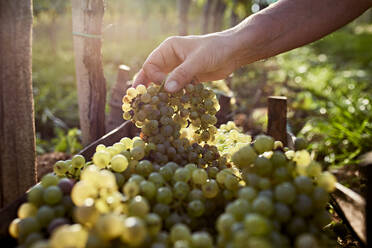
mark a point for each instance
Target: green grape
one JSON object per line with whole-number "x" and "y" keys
{"x": 153, "y": 224}
{"x": 285, "y": 193}
{"x": 210, "y": 188}
{"x": 137, "y": 153}
{"x": 166, "y": 172}
{"x": 33, "y": 238}
{"x": 263, "y": 205}
{"x": 201, "y": 240}
{"x": 282, "y": 212}
{"x": 52, "y": 195}
{"x": 303, "y": 205}
{"x": 199, "y": 176}
{"x": 157, "y": 179}
{"x": 180, "y": 190}
{"x": 263, "y": 166}
{"x": 300, "y": 144}
{"x": 26, "y": 210}
{"x": 306, "y": 240}
{"x": 49, "y": 180}
{"x": 195, "y": 208}
{"x": 314, "y": 169}
{"x": 45, "y": 215}
{"x": 78, "y": 161}
{"x": 162, "y": 210}
{"x": 59, "y": 211}
{"x": 141, "y": 89}
{"x": 231, "y": 182}
{"x": 27, "y": 226}
{"x": 296, "y": 226}
{"x": 322, "y": 218}
{"x": 244, "y": 157}
{"x": 304, "y": 184}
{"x": 263, "y": 143}
{"x": 182, "y": 174}
{"x": 278, "y": 159}
{"x": 148, "y": 189}
{"x": 131, "y": 189}
{"x": 101, "y": 159}
{"x": 138, "y": 206}
{"x": 60, "y": 168}
{"x": 256, "y": 224}
{"x": 35, "y": 195}
{"x": 247, "y": 193}
{"x": 320, "y": 197}
{"x": 136, "y": 178}
{"x": 180, "y": 232}
{"x": 119, "y": 163}
{"x": 238, "y": 208}
{"x": 224, "y": 223}
{"x": 69, "y": 236}
{"x": 164, "y": 195}
{"x": 81, "y": 192}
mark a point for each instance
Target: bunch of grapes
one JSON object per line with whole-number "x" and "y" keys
{"x": 182, "y": 183}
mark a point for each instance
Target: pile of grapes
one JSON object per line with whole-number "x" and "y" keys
{"x": 182, "y": 183}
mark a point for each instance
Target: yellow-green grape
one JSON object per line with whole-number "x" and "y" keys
{"x": 314, "y": 169}
{"x": 263, "y": 143}
{"x": 131, "y": 189}
{"x": 127, "y": 142}
{"x": 101, "y": 159}
{"x": 132, "y": 93}
{"x": 100, "y": 147}
{"x": 69, "y": 236}
{"x": 13, "y": 228}
{"x": 78, "y": 161}
{"x": 26, "y": 210}
{"x": 244, "y": 157}
{"x": 106, "y": 180}
{"x": 86, "y": 215}
{"x": 81, "y": 192}
{"x": 119, "y": 146}
{"x": 141, "y": 89}
{"x": 134, "y": 232}
{"x": 60, "y": 168}
{"x": 327, "y": 181}
{"x": 112, "y": 151}
{"x": 119, "y": 163}
{"x": 137, "y": 152}
{"x": 110, "y": 226}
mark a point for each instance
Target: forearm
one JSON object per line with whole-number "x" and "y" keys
{"x": 289, "y": 24}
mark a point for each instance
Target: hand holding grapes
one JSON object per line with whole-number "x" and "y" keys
{"x": 190, "y": 58}
{"x": 281, "y": 27}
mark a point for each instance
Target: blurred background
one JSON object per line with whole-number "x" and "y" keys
{"x": 328, "y": 83}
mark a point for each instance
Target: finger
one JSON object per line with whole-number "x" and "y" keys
{"x": 140, "y": 78}
{"x": 162, "y": 60}
{"x": 181, "y": 76}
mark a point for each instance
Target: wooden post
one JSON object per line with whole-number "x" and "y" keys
{"x": 87, "y": 17}
{"x": 206, "y": 16}
{"x": 277, "y": 118}
{"x": 183, "y": 10}
{"x": 367, "y": 168}
{"x": 17, "y": 127}
{"x": 117, "y": 92}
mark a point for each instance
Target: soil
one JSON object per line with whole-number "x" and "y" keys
{"x": 46, "y": 161}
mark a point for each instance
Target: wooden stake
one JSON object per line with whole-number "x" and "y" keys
{"x": 17, "y": 127}
{"x": 117, "y": 92}
{"x": 87, "y": 17}
{"x": 277, "y": 118}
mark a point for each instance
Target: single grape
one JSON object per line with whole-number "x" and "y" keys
{"x": 52, "y": 195}
{"x": 119, "y": 163}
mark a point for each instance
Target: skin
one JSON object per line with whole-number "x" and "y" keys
{"x": 283, "y": 26}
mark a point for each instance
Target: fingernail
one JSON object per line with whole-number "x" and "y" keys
{"x": 171, "y": 86}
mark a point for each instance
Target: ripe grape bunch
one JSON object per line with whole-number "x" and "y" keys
{"x": 182, "y": 183}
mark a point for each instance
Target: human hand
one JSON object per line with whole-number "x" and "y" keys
{"x": 189, "y": 58}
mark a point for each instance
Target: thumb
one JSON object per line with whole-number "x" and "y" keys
{"x": 181, "y": 75}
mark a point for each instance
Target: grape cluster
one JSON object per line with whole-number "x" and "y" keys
{"x": 166, "y": 119}
{"x": 182, "y": 183}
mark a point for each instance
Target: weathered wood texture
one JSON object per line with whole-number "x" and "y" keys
{"x": 17, "y": 127}
{"x": 127, "y": 129}
{"x": 277, "y": 118}
{"x": 119, "y": 89}
{"x": 351, "y": 207}
{"x": 183, "y": 7}
{"x": 87, "y": 16}
{"x": 207, "y": 9}
{"x": 218, "y": 14}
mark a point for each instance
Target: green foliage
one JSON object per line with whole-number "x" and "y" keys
{"x": 328, "y": 84}
{"x": 65, "y": 141}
